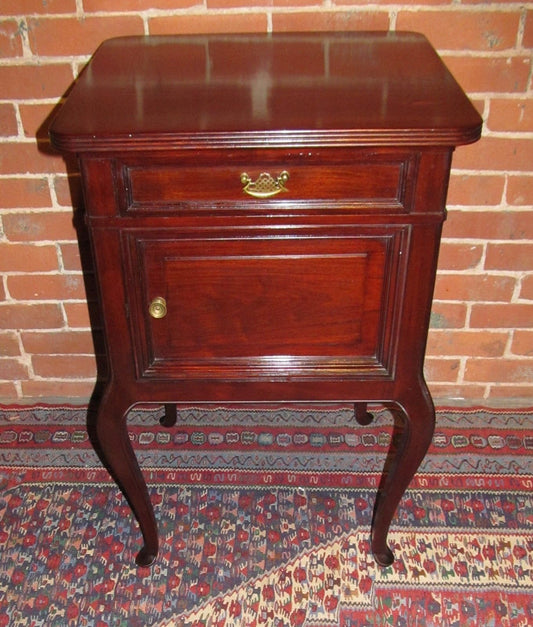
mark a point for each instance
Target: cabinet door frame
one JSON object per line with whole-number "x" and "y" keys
{"x": 379, "y": 249}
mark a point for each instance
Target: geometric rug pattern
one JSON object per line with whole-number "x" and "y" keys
{"x": 264, "y": 518}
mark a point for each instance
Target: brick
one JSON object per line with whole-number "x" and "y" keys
{"x": 520, "y": 190}
{"x": 2, "y": 292}
{"x": 510, "y": 115}
{"x": 12, "y": 369}
{"x": 472, "y": 343}
{"x": 497, "y": 74}
{"x": 38, "y": 316}
{"x": 89, "y": 286}
{"x": 208, "y": 23}
{"x": 479, "y": 105}
{"x": 527, "y": 39}
{"x": 46, "y": 287}
{"x": 36, "y": 226}
{"x": 441, "y": 369}
{"x": 8, "y": 120}
{"x": 10, "y": 39}
{"x": 526, "y": 290}
{"x": 509, "y": 257}
{"x": 27, "y": 258}
{"x": 467, "y": 189}
{"x": 24, "y": 7}
{"x": 443, "y": 393}
{"x": 522, "y": 343}
{"x": 8, "y": 391}
{"x": 463, "y": 30}
{"x": 78, "y": 315}
{"x": 36, "y": 119}
{"x": 228, "y": 4}
{"x": 29, "y": 158}
{"x": 64, "y": 366}
{"x": 474, "y": 287}
{"x": 68, "y": 190}
{"x": 9, "y": 344}
{"x": 70, "y": 254}
{"x": 502, "y": 316}
{"x": 57, "y": 389}
{"x": 456, "y": 256}
{"x": 511, "y": 225}
{"x": 496, "y": 153}
{"x": 513, "y": 392}
{"x": 138, "y": 5}
{"x": 83, "y": 255}
{"x": 405, "y": 3}
{"x": 78, "y": 36}
{"x": 448, "y": 315}
{"x": 499, "y": 370}
{"x": 24, "y": 192}
{"x": 330, "y": 21}
{"x": 47, "y": 80}
{"x": 56, "y": 343}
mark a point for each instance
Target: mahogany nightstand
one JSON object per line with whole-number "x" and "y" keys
{"x": 265, "y": 214}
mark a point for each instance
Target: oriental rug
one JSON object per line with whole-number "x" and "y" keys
{"x": 265, "y": 523}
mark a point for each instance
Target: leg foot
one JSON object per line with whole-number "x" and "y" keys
{"x": 170, "y": 417}
{"x": 145, "y": 557}
{"x": 384, "y": 557}
{"x": 362, "y": 416}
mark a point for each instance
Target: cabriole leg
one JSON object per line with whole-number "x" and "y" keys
{"x": 118, "y": 455}
{"x": 405, "y": 456}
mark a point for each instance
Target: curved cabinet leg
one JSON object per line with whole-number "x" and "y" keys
{"x": 407, "y": 451}
{"x": 118, "y": 455}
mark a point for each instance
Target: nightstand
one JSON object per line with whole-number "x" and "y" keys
{"x": 265, "y": 214}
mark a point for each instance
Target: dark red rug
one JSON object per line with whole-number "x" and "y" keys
{"x": 266, "y": 524}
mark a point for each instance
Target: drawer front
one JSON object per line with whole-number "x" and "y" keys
{"x": 262, "y": 307}
{"x": 383, "y": 183}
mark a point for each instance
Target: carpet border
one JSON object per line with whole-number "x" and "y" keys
{"x": 454, "y": 409}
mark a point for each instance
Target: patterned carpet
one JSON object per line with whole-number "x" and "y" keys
{"x": 266, "y": 524}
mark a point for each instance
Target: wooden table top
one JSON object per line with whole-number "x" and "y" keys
{"x": 367, "y": 88}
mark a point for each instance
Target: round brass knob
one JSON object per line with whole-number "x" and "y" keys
{"x": 158, "y": 307}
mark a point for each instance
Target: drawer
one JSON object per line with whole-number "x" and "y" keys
{"x": 379, "y": 184}
{"x": 263, "y": 306}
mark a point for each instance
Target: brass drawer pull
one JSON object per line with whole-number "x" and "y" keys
{"x": 265, "y": 185}
{"x": 158, "y": 307}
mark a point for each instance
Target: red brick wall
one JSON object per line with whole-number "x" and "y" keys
{"x": 481, "y": 341}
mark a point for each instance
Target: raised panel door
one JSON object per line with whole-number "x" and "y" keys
{"x": 264, "y": 306}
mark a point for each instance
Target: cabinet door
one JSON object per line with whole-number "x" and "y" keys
{"x": 246, "y": 306}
